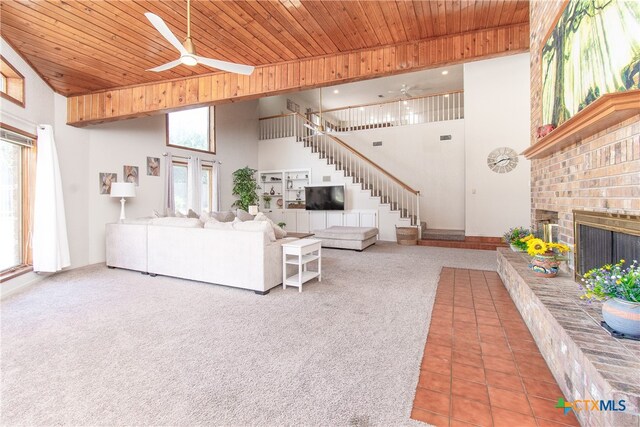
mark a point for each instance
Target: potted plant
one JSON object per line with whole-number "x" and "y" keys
{"x": 267, "y": 202}
{"x": 245, "y": 186}
{"x": 619, "y": 286}
{"x": 546, "y": 256}
{"x": 514, "y": 237}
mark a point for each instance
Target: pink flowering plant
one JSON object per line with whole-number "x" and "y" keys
{"x": 612, "y": 281}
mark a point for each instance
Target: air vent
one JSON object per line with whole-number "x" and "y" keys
{"x": 15, "y": 138}
{"x": 445, "y": 137}
{"x": 326, "y": 179}
{"x": 377, "y": 143}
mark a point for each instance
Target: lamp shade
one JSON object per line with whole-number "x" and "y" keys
{"x": 253, "y": 210}
{"x": 123, "y": 189}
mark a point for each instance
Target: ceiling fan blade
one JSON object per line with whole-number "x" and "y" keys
{"x": 162, "y": 28}
{"x": 225, "y": 66}
{"x": 166, "y": 66}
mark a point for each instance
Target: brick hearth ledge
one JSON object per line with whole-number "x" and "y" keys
{"x": 585, "y": 360}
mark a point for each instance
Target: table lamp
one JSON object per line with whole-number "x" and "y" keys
{"x": 253, "y": 210}
{"x": 122, "y": 190}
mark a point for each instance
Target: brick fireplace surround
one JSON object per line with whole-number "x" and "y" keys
{"x": 599, "y": 172}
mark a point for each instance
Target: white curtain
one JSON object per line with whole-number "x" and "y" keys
{"x": 215, "y": 203}
{"x": 169, "y": 199}
{"x": 194, "y": 184}
{"x": 50, "y": 245}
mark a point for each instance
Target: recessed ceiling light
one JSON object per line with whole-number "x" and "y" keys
{"x": 445, "y": 72}
{"x": 336, "y": 91}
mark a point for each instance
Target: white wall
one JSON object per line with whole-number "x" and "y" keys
{"x": 41, "y": 106}
{"x": 497, "y": 105}
{"x": 416, "y": 156}
{"x": 237, "y": 142}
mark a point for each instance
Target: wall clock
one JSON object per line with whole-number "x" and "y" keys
{"x": 502, "y": 160}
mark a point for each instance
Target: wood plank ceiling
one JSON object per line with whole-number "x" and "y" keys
{"x": 83, "y": 46}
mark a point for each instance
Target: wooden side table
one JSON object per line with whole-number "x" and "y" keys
{"x": 300, "y": 253}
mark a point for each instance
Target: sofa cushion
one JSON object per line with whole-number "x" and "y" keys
{"x": 143, "y": 220}
{"x": 223, "y": 216}
{"x": 257, "y": 226}
{"x": 177, "y": 222}
{"x": 279, "y": 232}
{"x": 192, "y": 214}
{"x": 217, "y": 225}
{"x": 244, "y": 215}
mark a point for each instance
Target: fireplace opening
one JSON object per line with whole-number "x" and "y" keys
{"x": 604, "y": 238}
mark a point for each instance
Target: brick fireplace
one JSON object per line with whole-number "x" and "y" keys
{"x": 598, "y": 172}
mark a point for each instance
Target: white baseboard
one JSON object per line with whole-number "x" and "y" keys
{"x": 19, "y": 284}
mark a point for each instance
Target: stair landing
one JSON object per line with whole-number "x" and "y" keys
{"x": 451, "y": 239}
{"x": 439, "y": 234}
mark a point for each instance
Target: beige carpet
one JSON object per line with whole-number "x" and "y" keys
{"x": 96, "y": 346}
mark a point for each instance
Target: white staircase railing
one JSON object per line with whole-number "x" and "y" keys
{"x": 371, "y": 176}
{"x": 413, "y": 111}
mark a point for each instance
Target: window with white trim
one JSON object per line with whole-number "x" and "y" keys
{"x": 192, "y": 129}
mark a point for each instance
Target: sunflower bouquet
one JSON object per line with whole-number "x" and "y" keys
{"x": 546, "y": 256}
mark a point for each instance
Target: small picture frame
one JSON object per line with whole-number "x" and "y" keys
{"x": 131, "y": 174}
{"x": 106, "y": 179}
{"x": 153, "y": 166}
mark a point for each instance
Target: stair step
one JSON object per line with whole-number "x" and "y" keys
{"x": 437, "y": 234}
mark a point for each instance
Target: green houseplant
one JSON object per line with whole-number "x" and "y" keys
{"x": 514, "y": 236}
{"x": 619, "y": 286}
{"x": 245, "y": 186}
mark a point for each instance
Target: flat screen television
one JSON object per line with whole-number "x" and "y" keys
{"x": 324, "y": 198}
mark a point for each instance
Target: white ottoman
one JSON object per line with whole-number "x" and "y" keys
{"x": 357, "y": 238}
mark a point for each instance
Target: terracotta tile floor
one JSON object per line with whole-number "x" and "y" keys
{"x": 481, "y": 366}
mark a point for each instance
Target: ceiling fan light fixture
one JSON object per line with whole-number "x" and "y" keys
{"x": 189, "y": 60}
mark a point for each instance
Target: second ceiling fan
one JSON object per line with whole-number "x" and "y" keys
{"x": 188, "y": 51}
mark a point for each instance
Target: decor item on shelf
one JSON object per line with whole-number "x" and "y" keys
{"x": 267, "y": 202}
{"x": 295, "y": 205}
{"x": 245, "y": 186}
{"x": 153, "y": 166}
{"x": 544, "y": 130}
{"x": 514, "y": 237}
{"x": 546, "y": 256}
{"x": 289, "y": 184}
{"x": 279, "y": 203}
{"x": 253, "y": 210}
{"x": 122, "y": 190}
{"x": 298, "y": 195}
{"x": 619, "y": 287}
{"x": 272, "y": 191}
{"x": 282, "y": 224}
{"x": 263, "y": 178}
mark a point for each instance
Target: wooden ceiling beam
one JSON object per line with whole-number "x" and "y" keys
{"x": 155, "y": 98}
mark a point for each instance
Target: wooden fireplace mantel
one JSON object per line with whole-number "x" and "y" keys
{"x": 604, "y": 112}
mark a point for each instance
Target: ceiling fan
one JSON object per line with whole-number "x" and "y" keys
{"x": 408, "y": 91}
{"x": 188, "y": 50}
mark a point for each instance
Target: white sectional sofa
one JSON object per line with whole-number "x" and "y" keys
{"x": 238, "y": 258}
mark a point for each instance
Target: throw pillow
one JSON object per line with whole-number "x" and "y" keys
{"x": 192, "y": 214}
{"x": 244, "y": 215}
{"x": 223, "y": 216}
{"x": 279, "y": 232}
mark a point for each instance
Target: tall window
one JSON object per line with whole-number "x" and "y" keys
{"x": 11, "y": 83}
{"x": 17, "y": 160}
{"x": 180, "y": 187}
{"x": 192, "y": 129}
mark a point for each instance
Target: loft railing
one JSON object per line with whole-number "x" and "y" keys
{"x": 370, "y": 175}
{"x": 425, "y": 109}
